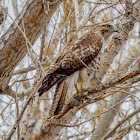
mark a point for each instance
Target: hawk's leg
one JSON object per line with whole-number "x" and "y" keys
{"x": 76, "y": 88}
{"x": 81, "y": 80}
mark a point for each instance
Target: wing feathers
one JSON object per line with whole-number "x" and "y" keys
{"x": 49, "y": 81}
{"x": 71, "y": 60}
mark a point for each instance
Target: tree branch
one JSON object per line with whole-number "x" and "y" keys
{"x": 12, "y": 43}
{"x": 103, "y": 126}
{"x": 110, "y": 133}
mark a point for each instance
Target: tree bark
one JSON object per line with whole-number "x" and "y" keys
{"x": 13, "y": 44}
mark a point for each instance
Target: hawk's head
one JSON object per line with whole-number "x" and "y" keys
{"x": 106, "y": 30}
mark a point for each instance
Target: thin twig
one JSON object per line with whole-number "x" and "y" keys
{"x": 110, "y": 133}
{"x": 23, "y": 110}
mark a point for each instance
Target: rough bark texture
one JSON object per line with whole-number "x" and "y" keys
{"x": 12, "y": 43}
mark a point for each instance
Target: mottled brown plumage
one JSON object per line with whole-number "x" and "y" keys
{"x": 74, "y": 58}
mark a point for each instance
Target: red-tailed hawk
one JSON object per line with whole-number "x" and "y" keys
{"x": 75, "y": 57}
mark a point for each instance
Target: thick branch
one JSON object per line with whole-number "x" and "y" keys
{"x": 12, "y": 43}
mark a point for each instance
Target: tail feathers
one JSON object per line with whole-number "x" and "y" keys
{"x": 49, "y": 81}
{"x": 59, "y": 98}
{"x": 62, "y": 100}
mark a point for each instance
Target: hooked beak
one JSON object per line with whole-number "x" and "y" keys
{"x": 116, "y": 30}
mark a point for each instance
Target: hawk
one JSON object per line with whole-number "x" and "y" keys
{"x": 79, "y": 54}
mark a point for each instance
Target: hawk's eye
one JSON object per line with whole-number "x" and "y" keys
{"x": 108, "y": 26}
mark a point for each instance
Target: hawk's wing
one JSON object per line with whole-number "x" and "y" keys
{"x": 73, "y": 58}
{"x": 81, "y": 52}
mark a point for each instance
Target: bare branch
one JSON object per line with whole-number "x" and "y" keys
{"x": 13, "y": 46}
{"x": 127, "y": 25}
{"x": 110, "y": 133}
{"x": 35, "y": 88}
{"x": 10, "y": 92}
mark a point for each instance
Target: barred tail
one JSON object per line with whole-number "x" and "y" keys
{"x": 62, "y": 100}
{"x": 49, "y": 81}
{"x": 56, "y": 98}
